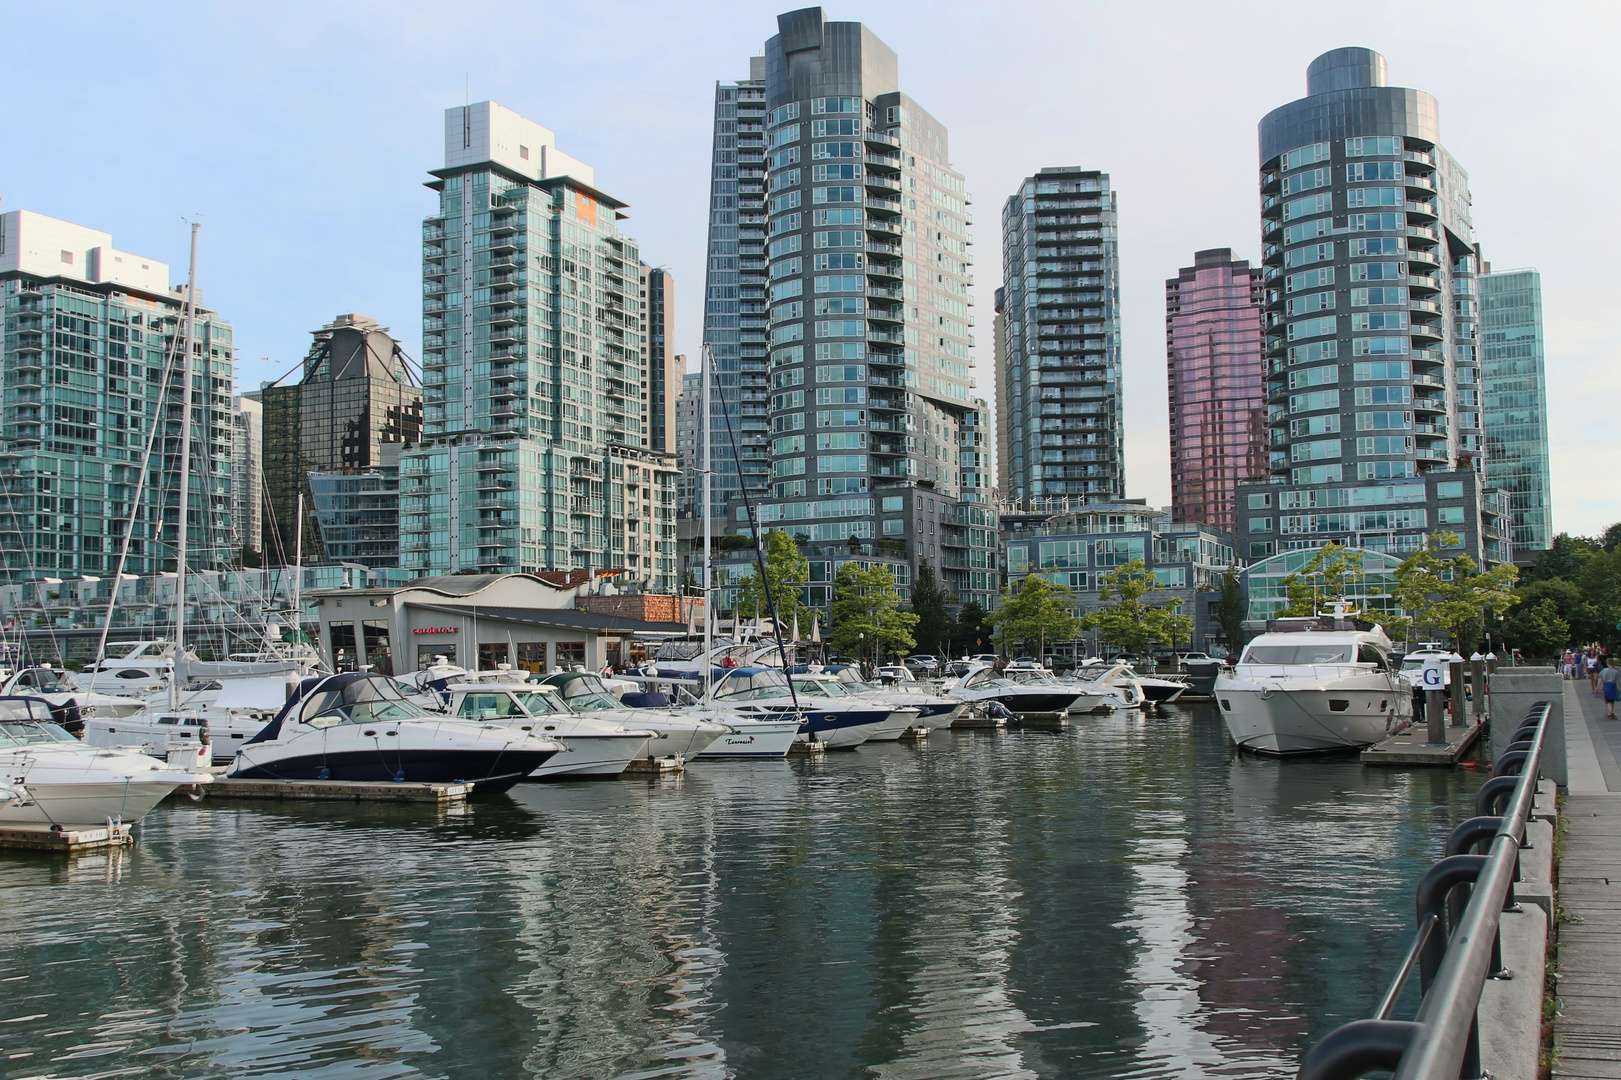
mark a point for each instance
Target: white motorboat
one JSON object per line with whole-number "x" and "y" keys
{"x": 357, "y": 726}
{"x": 232, "y": 711}
{"x": 764, "y": 692}
{"x": 681, "y": 733}
{"x": 898, "y": 686}
{"x": 71, "y": 702}
{"x": 1412, "y": 665}
{"x": 815, "y": 687}
{"x": 591, "y": 747}
{"x": 143, "y": 668}
{"x": 1021, "y": 696}
{"x": 51, "y": 778}
{"x": 1312, "y": 685}
{"x": 1107, "y": 686}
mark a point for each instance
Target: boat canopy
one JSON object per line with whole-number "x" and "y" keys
{"x": 18, "y": 707}
{"x": 355, "y": 697}
{"x": 580, "y": 690}
{"x": 752, "y": 684}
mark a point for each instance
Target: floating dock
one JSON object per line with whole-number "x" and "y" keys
{"x": 339, "y": 791}
{"x": 1047, "y": 721}
{"x": 68, "y": 839}
{"x": 1412, "y": 747}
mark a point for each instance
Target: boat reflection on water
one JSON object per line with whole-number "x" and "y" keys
{"x": 1127, "y": 898}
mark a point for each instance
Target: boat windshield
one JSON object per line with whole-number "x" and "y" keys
{"x": 44, "y": 680}
{"x": 541, "y": 704}
{"x": 1287, "y": 655}
{"x": 820, "y": 688}
{"x": 757, "y": 686}
{"x": 490, "y": 706}
{"x": 360, "y": 701}
{"x": 31, "y": 733}
{"x": 678, "y": 650}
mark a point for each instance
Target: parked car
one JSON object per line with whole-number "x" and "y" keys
{"x": 923, "y": 663}
{"x": 984, "y": 658}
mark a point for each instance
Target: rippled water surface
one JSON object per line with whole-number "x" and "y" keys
{"x": 1125, "y": 899}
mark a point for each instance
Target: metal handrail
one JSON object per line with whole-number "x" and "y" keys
{"x": 1442, "y": 1039}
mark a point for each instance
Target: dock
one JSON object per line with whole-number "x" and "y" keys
{"x": 1043, "y": 721}
{"x": 1412, "y": 747}
{"x": 1587, "y": 1023}
{"x": 70, "y": 839}
{"x": 340, "y": 791}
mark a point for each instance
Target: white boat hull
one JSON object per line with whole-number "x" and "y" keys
{"x": 1277, "y": 717}
{"x": 91, "y": 803}
{"x": 593, "y": 755}
{"x": 754, "y": 739}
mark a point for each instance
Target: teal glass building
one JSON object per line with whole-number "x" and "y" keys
{"x": 1514, "y": 395}
{"x": 90, "y": 351}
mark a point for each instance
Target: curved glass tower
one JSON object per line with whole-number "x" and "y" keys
{"x": 1373, "y": 376}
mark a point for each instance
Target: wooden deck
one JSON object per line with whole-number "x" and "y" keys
{"x": 338, "y": 790}
{"x": 70, "y": 839}
{"x": 1587, "y": 1029}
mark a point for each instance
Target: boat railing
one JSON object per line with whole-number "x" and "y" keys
{"x": 1461, "y": 900}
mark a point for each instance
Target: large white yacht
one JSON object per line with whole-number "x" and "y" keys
{"x": 47, "y": 777}
{"x": 1313, "y": 685}
{"x": 1021, "y": 692}
{"x": 591, "y": 747}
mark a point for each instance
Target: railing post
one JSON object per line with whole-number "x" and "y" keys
{"x": 1356, "y": 1048}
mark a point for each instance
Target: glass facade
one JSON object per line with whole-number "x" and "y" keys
{"x": 865, "y": 361}
{"x": 1372, "y": 304}
{"x": 1217, "y": 392}
{"x": 535, "y": 450}
{"x": 1059, "y": 357}
{"x": 1514, "y": 395}
{"x": 359, "y": 515}
{"x": 1368, "y": 591}
{"x": 735, "y": 290}
{"x": 356, "y": 404}
{"x": 90, "y": 352}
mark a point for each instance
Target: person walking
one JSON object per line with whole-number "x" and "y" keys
{"x": 1592, "y": 668}
{"x": 1610, "y": 677}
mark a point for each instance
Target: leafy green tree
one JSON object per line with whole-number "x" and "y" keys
{"x": 1129, "y": 619}
{"x": 1231, "y": 610}
{"x": 1582, "y": 617}
{"x": 934, "y": 623}
{"x": 1536, "y": 629}
{"x": 973, "y": 630}
{"x": 866, "y": 613}
{"x": 1452, "y": 595}
{"x": 787, "y": 571}
{"x": 1322, "y": 582}
{"x": 1035, "y": 612}
{"x": 1600, "y": 585}
{"x": 1564, "y": 559}
{"x": 1610, "y": 538}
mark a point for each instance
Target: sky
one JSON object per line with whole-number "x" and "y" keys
{"x": 300, "y": 134}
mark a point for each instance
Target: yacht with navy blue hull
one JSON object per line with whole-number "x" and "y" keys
{"x": 357, "y": 726}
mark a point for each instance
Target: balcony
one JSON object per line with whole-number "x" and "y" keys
{"x": 878, "y": 138}
{"x": 495, "y": 483}
{"x": 1425, "y": 453}
{"x": 1426, "y": 330}
{"x": 883, "y": 269}
{"x": 1429, "y": 380}
{"x": 1419, "y": 156}
{"x": 1430, "y": 405}
{"x": 889, "y": 337}
{"x": 894, "y": 314}
{"x": 1423, "y": 231}
{"x": 877, "y": 247}
{"x": 1421, "y": 183}
{"x": 1425, "y": 209}
{"x": 886, "y": 292}
{"x": 891, "y": 206}
{"x": 882, "y": 183}
{"x": 886, "y": 228}
{"x": 884, "y": 161}
{"x": 1424, "y": 281}
{"x": 1418, "y": 255}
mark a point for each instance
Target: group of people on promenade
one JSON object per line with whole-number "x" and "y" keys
{"x": 1602, "y": 672}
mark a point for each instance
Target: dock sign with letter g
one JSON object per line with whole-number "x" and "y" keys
{"x": 1434, "y": 676}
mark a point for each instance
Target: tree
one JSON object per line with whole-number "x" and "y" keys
{"x": 1036, "y": 612}
{"x": 866, "y": 613}
{"x": 973, "y": 630}
{"x": 1536, "y": 629}
{"x": 1231, "y": 610}
{"x": 1610, "y": 538}
{"x": 1600, "y": 586}
{"x": 934, "y": 624}
{"x": 1323, "y": 581}
{"x": 1452, "y": 595}
{"x": 1583, "y": 618}
{"x": 1564, "y": 559}
{"x": 1130, "y": 621}
{"x": 786, "y": 571}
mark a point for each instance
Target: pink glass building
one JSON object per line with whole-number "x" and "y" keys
{"x": 1217, "y": 392}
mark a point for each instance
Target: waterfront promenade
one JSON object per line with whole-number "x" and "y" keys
{"x": 1587, "y": 1029}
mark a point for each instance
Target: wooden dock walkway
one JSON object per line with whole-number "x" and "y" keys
{"x": 1587, "y": 1029}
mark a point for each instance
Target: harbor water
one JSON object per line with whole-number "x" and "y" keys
{"x": 1127, "y": 898}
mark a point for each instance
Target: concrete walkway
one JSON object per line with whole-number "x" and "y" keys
{"x": 1587, "y": 1031}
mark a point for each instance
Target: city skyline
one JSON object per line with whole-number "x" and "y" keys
{"x": 262, "y": 231}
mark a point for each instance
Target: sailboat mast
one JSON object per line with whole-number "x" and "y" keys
{"x": 706, "y": 471}
{"x": 298, "y": 574}
{"x": 181, "y": 538}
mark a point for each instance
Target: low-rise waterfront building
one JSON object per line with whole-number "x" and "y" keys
{"x": 534, "y": 622}
{"x": 1076, "y": 547}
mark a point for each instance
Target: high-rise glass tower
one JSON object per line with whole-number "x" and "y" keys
{"x": 735, "y": 289}
{"x": 1514, "y": 397}
{"x": 1059, "y": 368}
{"x": 661, "y": 367}
{"x": 535, "y": 451}
{"x": 877, "y": 440}
{"x": 1217, "y": 394}
{"x": 90, "y": 351}
{"x": 354, "y": 398}
{"x": 1372, "y": 369}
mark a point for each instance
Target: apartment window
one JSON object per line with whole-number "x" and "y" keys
{"x": 1450, "y": 490}
{"x": 893, "y": 503}
{"x": 836, "y": 195}
{"x": 1450, "y": 515}
{"x": 1381, "y": 369}
{"x": 788, "y": 467}
{"x": 1384, "y": 421}
{"x": 853, "y": 283}
{"x": 1061, "y": 554}
{"x": 1373, "y": 146}
{"x": 1260, "y": 500}
{"x": 841, "y": 373}
{"x": 894, "y": 527}
{"x": 1305, "y": 155}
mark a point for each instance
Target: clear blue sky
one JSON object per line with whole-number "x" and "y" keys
{"x": 300, "y": 134}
